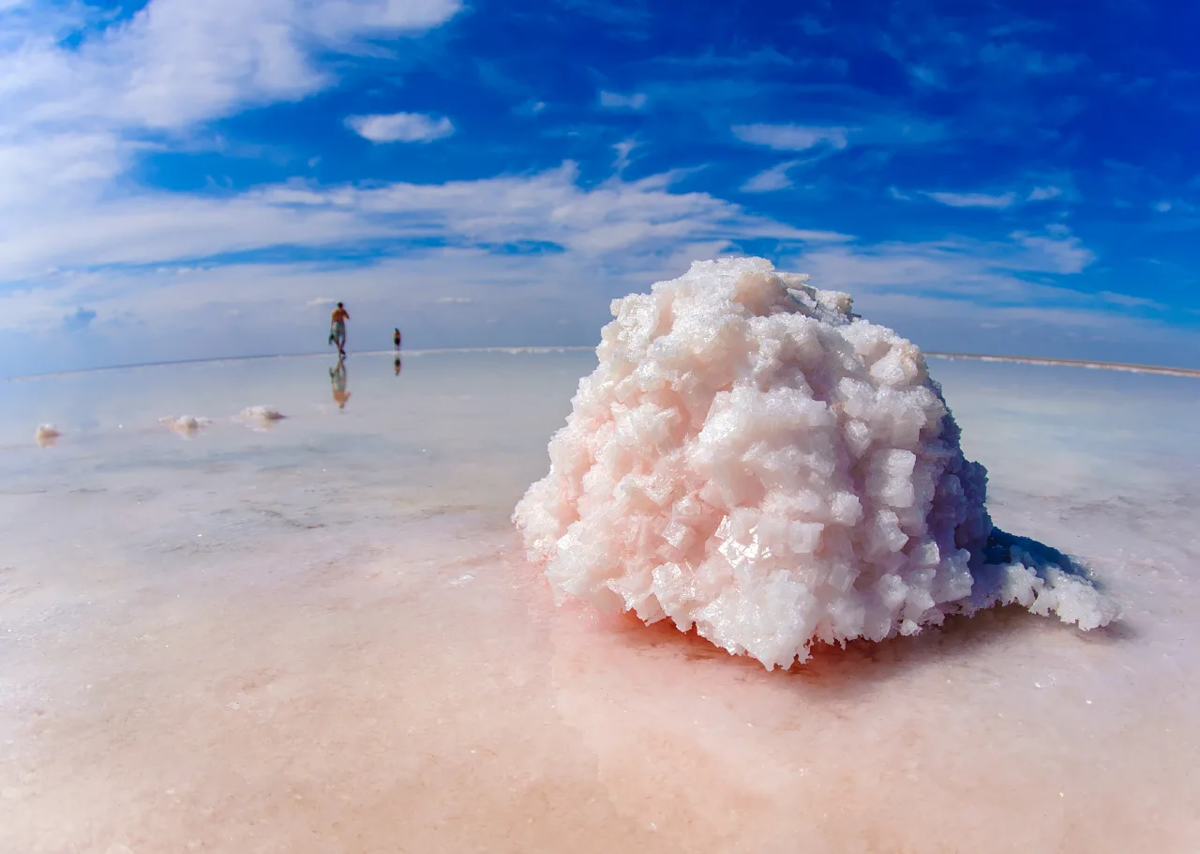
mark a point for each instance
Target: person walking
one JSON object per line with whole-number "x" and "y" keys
{"x": 396, "y": 338}
{"x": 337, "y": 328}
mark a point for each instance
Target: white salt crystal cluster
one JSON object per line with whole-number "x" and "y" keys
{"x": 753, "y": 460}
{"x": 185, "y": 425}
{"x": 260, "y": 418}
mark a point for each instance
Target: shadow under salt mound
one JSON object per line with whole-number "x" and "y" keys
{"x": 1002, "y": 548}
{"x": 843, "y": 671}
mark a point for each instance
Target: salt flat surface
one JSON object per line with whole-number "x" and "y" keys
{"x": 320, "y": 634}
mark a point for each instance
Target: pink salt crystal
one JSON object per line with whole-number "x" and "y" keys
{"x": 752, "y": 460}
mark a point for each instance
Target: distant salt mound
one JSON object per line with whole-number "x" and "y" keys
{"x": 260, "y": 417}
{"x": 46, "y": 435}
{"x": 753, "y": 460}
{"x": 185, "y": 425}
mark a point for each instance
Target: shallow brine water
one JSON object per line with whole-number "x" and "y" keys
{"x": 321, "y": 634}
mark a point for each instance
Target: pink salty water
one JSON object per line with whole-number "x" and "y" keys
{"x": 321, "y": 634}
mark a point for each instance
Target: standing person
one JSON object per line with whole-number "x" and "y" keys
{"x": 337, "y": 328}
{"x": 396, "y": 338}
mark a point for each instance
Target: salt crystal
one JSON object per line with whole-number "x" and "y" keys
{"x": 752, "y": 460}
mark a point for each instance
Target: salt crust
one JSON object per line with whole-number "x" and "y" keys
{"x": 753, "y": 460}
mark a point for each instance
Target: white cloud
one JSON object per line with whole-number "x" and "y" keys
{"x": 1041, "y": 194}
{"x": 1063, "y": 189}
{"x": 401, "y": 127}
{"x": 454, "y": 300}
{"x": 1130, "y": 301}
{"x": 791, "y": 137}
{"x": 623, "y": 149}
{"x": 770, "y": 180}
{"x": 987, "y": 271}
{"x": 1162, "y": 206}
{"x": 176, "y": 62}
{"x": 1060, "y": 253}
{"x": 640, "y": 220}
{"x": 319, "y": 302}
{"x": 975, "y": 200}
{"x": 617, "y": 101}
{"x": 937, "y": 293}
{"x": 73, "y": 118}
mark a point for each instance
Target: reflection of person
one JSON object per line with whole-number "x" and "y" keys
{"x": 337, "y": 328}
{"x": 397, "y": 366}
{"x": 337, "y": 379}
{"x": 396, "y": 338}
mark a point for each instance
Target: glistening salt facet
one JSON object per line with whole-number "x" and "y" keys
{"x": 753, "y": 460}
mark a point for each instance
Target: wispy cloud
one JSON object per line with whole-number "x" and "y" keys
{"x": 710, "y": 60}
{"x": 791, "y": 137}
{"x": 631, "y": 16}
{"x": 637, "y": 219}
{"x": 1062, "y": 191}
{"x": 1018, "y": 57}
{"x": 974, "y": 200}
{"x": 623, "y": 149}
{"x": 1131, "y": 301}
{"x": 770, "y": 180}
{"x": 1041, "y": 194}
{"x": 454, "y": 300}
{"x": 401, "y": 127}
{"x": 987, "y": 271}
{"x": 953, "y": 53}
{"x": 1061, "y": 252}
{"x": 618, "y": 101}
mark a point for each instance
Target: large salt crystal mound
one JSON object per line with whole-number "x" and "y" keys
{"x": 753, "y": 460}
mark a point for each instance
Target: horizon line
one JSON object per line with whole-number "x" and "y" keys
{"x": 515, "y": 350}
{"x": 1162, "y": 370}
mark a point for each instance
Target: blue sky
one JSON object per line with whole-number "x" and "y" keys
{"x": 183, "y": 179}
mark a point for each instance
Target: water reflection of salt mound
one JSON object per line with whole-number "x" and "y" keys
{"x": 753, "y": 460}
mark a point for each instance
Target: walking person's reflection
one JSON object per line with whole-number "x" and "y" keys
{"x": 337, "y": 379}
{"x": 397, "y": 366}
